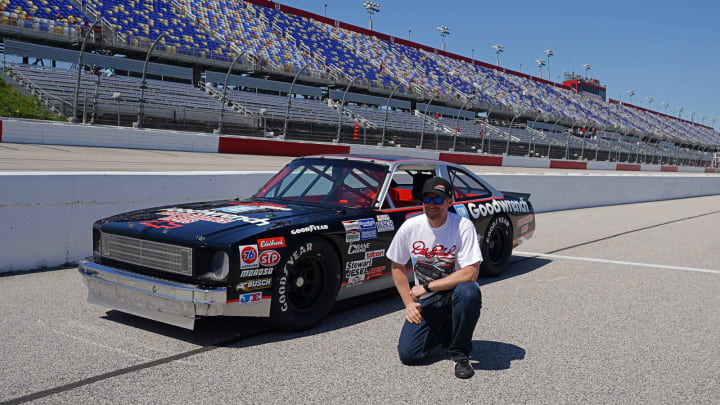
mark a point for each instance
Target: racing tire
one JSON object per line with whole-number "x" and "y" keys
{"x": 496, "y": 246}
{"x": 305, "y": 285}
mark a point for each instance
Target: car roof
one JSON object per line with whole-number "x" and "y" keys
{"x": 377, "y": 158}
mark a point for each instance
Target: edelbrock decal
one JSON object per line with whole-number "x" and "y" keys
{"x": 309, "y": 228}
{"x": 271, "y": 243}
{"x": 478, "y": 210}
{"x": 282, "y": 284}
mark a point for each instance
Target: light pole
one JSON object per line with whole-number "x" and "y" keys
{"x": 457, "y": 124}
{"x": 79, "y": 68}
{"x": 371, "y": 8}
{"x": 650, "y": 100}
{"x": 498, "y": 50}
{"x": 680, "y": 110}
{"x": 549, "y": 53}
{"x": 630, "y": 93}
{"x": 422, "y": 132}
{"x": 665, "y": 104}
{"x": 141, "y": 112}
{"x": 387, "y": 108}
{"x": 472, "y": 56}
{"x": 540, "y": 64}
{"x": 702, "y": 119}
{"x": 409, "y": 31}
{"x": 287, "y": 112}
{"x": 227, "y": 76}
{"x": 444, "y": 31}
{"x": 587, "y": 67}
{"x": 342, "y": 107}
{"x": 325, "y": 9}
{"x": 692, "y": 114}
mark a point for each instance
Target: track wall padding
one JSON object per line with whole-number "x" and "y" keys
{"x": 46, "y": 218}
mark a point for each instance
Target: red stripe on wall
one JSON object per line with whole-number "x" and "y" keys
{"x": 251, "y": 146}
{"x": 628, "y": 167}
{"x": 567, "y": 164}
{"x": 0, "y": 130}
{"x": 668, "y": 168}
{"x": 471, "y": 159}
{"x": 707, "y": 169}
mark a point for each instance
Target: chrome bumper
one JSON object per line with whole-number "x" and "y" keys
{"x": 149, "y": 297}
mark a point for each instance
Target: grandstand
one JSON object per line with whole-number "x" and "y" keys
{"x": 403, "y": 93}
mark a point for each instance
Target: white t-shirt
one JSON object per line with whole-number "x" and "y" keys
{"x": 447, "y": 248}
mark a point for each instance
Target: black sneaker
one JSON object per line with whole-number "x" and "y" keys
{"x": 463, "y": 369}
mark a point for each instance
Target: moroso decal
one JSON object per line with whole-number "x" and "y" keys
{"x": 256, "y": 272}
{"x": 478, "y": 210}
{"x": 282, "y": 283}
{"x": 248, "y": 256}
{"x": 271, "y": 243}
{"x": 269, "y": 258}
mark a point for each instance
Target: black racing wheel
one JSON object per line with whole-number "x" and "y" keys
{"x": 496, "y": 246}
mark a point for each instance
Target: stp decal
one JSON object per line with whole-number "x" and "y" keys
{"x": 269, "y": 258}
{"x": 248, "y": 257}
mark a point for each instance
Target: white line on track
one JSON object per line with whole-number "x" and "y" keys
{"x": 590, "y": 259}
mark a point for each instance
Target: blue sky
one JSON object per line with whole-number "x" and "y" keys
{"x": 667, "y": 50}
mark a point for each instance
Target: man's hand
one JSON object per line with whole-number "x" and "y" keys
{"x": 412, "y": 312}
{"x": 417, "y": 291}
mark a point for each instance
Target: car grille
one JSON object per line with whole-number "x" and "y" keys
{"x": 155, "y": 255}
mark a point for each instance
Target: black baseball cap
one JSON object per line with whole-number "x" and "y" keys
{"x": 438, "y": 186}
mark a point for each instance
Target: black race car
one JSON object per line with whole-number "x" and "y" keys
{"x": 314, "y": 234}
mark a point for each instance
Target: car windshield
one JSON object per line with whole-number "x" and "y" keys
{"x": 340, "y": 182}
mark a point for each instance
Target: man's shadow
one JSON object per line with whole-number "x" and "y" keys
{"x": 485, "y": 355}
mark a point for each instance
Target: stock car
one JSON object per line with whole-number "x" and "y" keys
{"x": 314, "y": 234}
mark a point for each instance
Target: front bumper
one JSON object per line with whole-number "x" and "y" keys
{"x": 165, "y": 301}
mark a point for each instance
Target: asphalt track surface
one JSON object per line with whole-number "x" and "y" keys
{"x": 34, "y": 158}
{"x": 604, "y": 305}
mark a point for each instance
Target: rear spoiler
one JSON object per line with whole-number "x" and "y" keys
{"x": 524, "y": 196}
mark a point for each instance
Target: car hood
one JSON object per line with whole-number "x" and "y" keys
{"x": 210, "y": 221}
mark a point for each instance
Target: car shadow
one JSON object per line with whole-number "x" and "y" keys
{"x": 225, "y": 331}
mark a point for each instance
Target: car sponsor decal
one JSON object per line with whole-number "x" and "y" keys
{"x": 461, "y": 210}
{"x": 263, "y": 271}
{"x": 524, "y": 228}
{"x": 374, "y": 254}
{"x": 250, "y": 298}
{"x": 525, "y": 220}
{"x": 271, "y": 243}
{"x": 282, "y": 282}
{"x": 357, "y": 270}
{"x": 162, "y": 224}
{"x": 375, "y": 272}
{"x": 351, "y": 225}
{"x": 255, "y": 284}
{"x": 366, "y": 223}
{"x": 269, "y": 258}
{"x": 248, "y": 256}
{"x": 237, "y": 208}
{"x": 188, "y": 216}
{"x": 385, "y": 224}
{"x": 352, "y": 236}
{"x": 478, "y": 210}
{"x": 369, "y": 234}
{"x": 358, "y": 248}
{"x": 358, "y": 264}
{"x": 309, "y": 228}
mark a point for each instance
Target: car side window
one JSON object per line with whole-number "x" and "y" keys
{"x": 405, "y": 187}
{"x": 466, "y": 187}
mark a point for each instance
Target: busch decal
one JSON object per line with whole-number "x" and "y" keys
{"x": 309, "y": 228}
{"x": 271, "y": 243}
{"x": 248, "y": 256}
{"x": 250, "y": 298}
{"x": 256, "y": 284}
{"x": 358, "y": 248}
{"x": 269, "y": 258}
{"x": 478, "y": 210}
{"x": 282, "y": 282}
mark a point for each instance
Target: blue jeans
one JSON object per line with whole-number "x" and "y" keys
{"x": 449, "y": 319}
